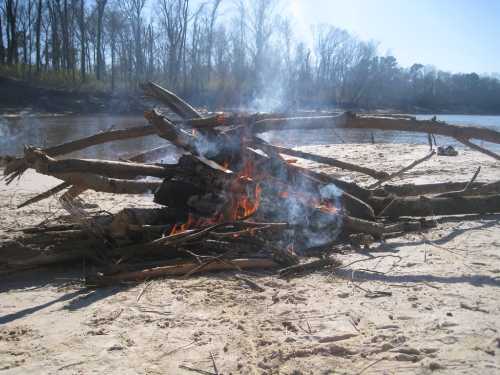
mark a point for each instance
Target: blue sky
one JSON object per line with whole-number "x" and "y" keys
{"x": 453, "y": 35}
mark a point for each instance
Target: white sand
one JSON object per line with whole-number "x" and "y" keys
{"x": 443, "y": 313}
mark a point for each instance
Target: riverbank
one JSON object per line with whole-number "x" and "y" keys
{"x": 17, "y": 96}
{"x": 439, "y": 310}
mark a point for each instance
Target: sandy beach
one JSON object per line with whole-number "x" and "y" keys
{"x": 422, "y": 303}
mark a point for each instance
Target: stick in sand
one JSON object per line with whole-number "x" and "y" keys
{"x": 404, "y": 170}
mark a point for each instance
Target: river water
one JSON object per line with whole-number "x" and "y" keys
{"x": 44, "y": 131}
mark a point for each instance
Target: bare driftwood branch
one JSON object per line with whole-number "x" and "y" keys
{"x": 309, "y": 123}
{"x": 186, "y": 268}
{"x": 416, "y": 190}
{"x": 45, "y": 164}
{"x": 313, "y": 266}
{"x": 468, "y": 143}
{"x": 73, "y": 193}
{"x": 17, "y": 166}
{"x": 465, "y": 190}
{"x": 423, "y": 206}
{"x": 491, "y": 188}
{"x": 422, "y": 126}
{"x": 402, "y": 171}
{"x": 176, "y": 104}
{"x": 379, "y": 175}
{"x": 46, "y": 194}
{"x": 109, "y": 185}
{"x": 355, "y": 225}
{"x": 352, "y": 121}
{"x": 153, "y": 154}
{"x": 167, "y": 130}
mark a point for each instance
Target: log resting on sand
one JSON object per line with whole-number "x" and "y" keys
{"x": 190, "y": 268}
{"x": 423, "y": 189}
{"x": 424, "y": 206}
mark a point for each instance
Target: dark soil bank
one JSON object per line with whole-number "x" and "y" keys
{"x": 17, "y": 95}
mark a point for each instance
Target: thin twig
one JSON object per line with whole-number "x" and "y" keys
{"x": 148, "y": 284}
{"x": 184, "y": 367}
{"x": 213, "y": 363}
{"x": 250, "y": 283}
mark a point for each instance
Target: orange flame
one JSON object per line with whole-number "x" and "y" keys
{"x": 242, "y": 204}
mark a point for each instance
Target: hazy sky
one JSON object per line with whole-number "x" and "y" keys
{"x": 453, "y": 35}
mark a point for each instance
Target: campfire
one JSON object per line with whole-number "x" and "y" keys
{"x": 234, "y": 201}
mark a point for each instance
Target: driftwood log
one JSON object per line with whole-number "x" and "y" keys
{"x": 425, "y": 206}
{"x": 184, "y": 269}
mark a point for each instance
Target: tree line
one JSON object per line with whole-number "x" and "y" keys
{"x": 223, "y": 53}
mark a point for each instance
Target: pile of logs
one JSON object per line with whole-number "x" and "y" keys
{"x": 232, "y": 201}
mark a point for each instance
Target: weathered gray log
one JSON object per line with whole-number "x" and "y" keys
{"x": 309, "y": 123}
{"x": 355, "y": 225}
{"x": 150, "y": 155}
{"x": 421, "y": 126}
{"x": 169, "y": 131}
{"x": 189, "y": 268}
{"x": 463, "y": 191}
{"x": 176, "y": 104}
{"x": 46, "y": 194}
{"x": 45, "y": 164}
{"x": 352, "y": 121}
{"x": 313, "y": 266}
{"x": 379, "y": 175}
{"x": 468, "y": 143}
{"x": 109, "y": 185}
{"x": 424, "y": 189}
{"x": 490, "y": 188}
{"x": 422, "y": 206}
{"x": 73, "y": 193}
{"x": 16, "y": 167}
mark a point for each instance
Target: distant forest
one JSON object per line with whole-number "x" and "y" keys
{"x": 221, "y": 53}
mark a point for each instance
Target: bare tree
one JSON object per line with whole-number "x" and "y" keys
{"x": 134, "y": 10}
{"x": 38, "y": 32}
{"x": 2, "y": 48}
{"x": 115, "y": 24}
{"x": 174, "y": 21}
{"x": 261, "y": 24}
{"x": 100, "y": 4}
{"x": 83, "y": 37}
{"x": 213, "y": 19}
{"x": 11, "y": 14}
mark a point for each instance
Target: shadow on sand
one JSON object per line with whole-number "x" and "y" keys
{"x": 76, "y": 296}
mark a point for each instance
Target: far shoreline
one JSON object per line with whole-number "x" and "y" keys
{"x": 17, "y": 96}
